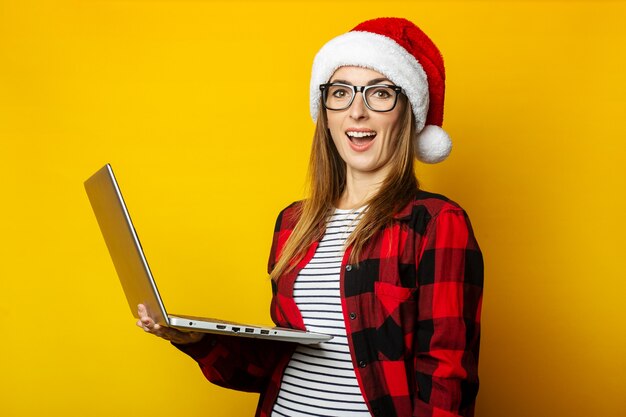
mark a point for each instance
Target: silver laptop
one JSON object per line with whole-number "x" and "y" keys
{"x": 137, "y": 280}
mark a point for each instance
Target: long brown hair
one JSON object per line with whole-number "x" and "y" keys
{"x": 327, "y": 181}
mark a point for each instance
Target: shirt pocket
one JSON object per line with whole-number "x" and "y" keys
{"x": 387, "y": 290}
{"x": 396, "y": 320}
{"x": 396, "y": 303}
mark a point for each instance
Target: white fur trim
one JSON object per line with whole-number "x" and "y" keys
{"x": 377, "y": 52}
{"x": 432, "y": 145}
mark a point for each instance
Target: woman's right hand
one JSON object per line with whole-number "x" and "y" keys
{"x": 148, "y": 324}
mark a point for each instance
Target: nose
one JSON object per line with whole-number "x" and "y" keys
{"x": 358, "y": 109}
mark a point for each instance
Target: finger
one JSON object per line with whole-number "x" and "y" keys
{"x": 147, "y": 321}
{"x": 142, "y": 311}
{"x": 157, "y": 330}
{"x": 147, "y": 327}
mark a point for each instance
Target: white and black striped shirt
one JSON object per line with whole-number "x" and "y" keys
{"x": 320, "y": 379}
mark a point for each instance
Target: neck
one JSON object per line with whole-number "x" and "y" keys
{"x": 360, "y": 186}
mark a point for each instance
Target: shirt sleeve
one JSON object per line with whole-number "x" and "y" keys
{"x": 450, "y": 278}
{"x": 244, "y": 364}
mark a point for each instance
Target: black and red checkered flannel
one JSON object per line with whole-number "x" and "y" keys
{"x": 412, "y": 314}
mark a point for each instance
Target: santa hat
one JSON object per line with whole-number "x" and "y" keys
{"x": 403, "y": 53}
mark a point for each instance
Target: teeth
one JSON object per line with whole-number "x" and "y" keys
{"x": 360, "y": 134}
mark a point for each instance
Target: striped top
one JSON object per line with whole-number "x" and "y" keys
{"x": 320, "y": 379}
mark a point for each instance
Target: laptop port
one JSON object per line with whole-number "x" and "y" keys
{"x": 221, "y": 326}
{"x": 249, "y": 330}
{"x": 265, "y": 332}
{"x": 236, "y": 329}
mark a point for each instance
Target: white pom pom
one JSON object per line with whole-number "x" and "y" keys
{"x": 432, "y": 144}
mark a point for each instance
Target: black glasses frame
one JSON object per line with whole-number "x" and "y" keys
{"x": 360, "y": 89}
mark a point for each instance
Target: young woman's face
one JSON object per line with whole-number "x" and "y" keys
{"x": 364, "y": 138}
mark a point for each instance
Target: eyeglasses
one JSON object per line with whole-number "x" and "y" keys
{"x": 378, "y": 97}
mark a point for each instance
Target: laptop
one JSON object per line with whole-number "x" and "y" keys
{"x": 137, "y": 280}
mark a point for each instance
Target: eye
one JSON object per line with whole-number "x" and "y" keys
{"x": 381, "y": 93}
{"x": 339, "y": 92}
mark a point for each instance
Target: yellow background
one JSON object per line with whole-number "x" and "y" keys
{"x": 202, "y": 108}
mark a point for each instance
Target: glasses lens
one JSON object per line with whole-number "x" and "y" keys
{"x": 337, "y": 97}
{"x": 381, "y": 98}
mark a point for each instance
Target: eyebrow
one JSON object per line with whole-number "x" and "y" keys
{"x": 370, "y": 82}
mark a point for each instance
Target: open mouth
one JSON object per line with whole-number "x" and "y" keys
{"x": 361, "y": 138}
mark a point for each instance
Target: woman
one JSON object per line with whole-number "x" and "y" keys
{"x": 394, "y": 273}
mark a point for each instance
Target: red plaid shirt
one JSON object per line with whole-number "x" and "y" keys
{"x": 411, "y": 309}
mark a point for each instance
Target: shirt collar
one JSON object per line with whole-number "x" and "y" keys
{"x": 405, "y": 212}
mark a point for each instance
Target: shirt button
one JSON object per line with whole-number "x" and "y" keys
{"x": 362, "y": 364}
{"x": 348, "y": 268}
{"x": 352, "y": 316}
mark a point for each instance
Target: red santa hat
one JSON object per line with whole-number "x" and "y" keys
{"x": 403, "y": 53}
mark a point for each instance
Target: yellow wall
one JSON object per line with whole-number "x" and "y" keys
{"x": 202, "y": 108}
